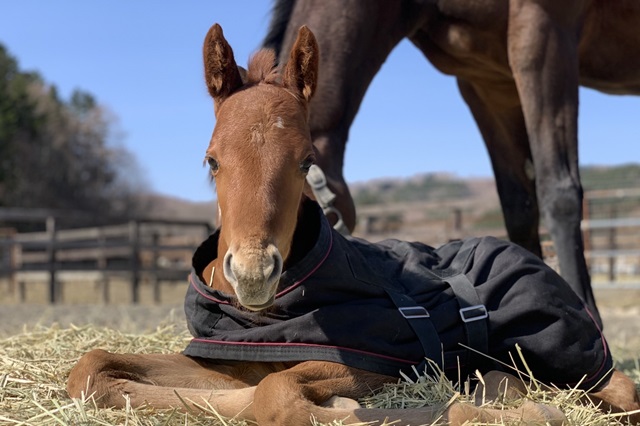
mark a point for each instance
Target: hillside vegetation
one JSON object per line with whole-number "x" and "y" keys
{"x": 438, "y": 186}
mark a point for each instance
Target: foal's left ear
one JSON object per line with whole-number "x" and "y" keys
{"x": 301, "y": 71}
{"x": 220, "y": 70}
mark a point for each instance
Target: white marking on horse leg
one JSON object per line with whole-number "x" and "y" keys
{"x": 529, "y": 169}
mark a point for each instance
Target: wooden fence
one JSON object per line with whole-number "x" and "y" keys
{"x": 161, "y": 250}
{"x": 153, "y": 249}
{"x": 611, "y": 230}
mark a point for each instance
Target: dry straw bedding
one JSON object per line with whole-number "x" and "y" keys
{"x": 34, "y": 365}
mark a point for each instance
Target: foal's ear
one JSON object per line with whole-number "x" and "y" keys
{"x": 220, "y": 70}
{"x": 301, "y": 71}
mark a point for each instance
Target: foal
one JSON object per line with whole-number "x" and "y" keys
{"x": 259, "y": 155}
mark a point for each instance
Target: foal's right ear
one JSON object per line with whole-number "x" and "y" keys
{"x": 301, "y": 71}
{"x": 220, "y": 70}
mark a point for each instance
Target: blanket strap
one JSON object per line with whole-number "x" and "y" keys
{"x": 420, "y": 321}
{"x": 472, "y": 312}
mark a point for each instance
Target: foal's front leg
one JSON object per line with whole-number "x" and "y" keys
{"x": 167, "y": 381}
{"x": 294, "y": 396}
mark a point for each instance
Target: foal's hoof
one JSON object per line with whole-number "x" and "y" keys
{"x": 528, "y": 413}
{"x": 342, "y": 403}
{"x": 536, "y": 413}
{"x": 497, "y": 386}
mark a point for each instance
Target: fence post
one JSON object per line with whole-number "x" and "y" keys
{"x": 612, "y": 245}
{"x": 154, "y": 268}
{"x": 457, "y": 221}
{"x": 134, "y": 241}
{"x": 51, "y": 255}
{"x": 22, "y": 291}
{"x": 13, "y": 261}
{"x": 102, "y": 265}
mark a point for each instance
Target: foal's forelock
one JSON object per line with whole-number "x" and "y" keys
{"x": 262, "y": 68}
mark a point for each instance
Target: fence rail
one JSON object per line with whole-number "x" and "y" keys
{"x": 154, "y": 249}
{"x": 160, "y": 250}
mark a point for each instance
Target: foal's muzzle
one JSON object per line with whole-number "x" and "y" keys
{"x": 254, "y": 275}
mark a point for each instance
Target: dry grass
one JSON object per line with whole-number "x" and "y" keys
{"x": 35, "y": 363}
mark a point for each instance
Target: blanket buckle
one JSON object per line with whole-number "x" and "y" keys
{"x": 473, "y": 313}
{"x": 410, "y": 312}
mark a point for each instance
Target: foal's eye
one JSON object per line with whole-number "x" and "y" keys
{"x": 306, "y": 165}
{"x": 213, "y": 165}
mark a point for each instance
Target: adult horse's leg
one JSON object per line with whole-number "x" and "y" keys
{"x": 542, "y": 47}
{"x": 355, "y": 38}
{"x": 498, "y": 114}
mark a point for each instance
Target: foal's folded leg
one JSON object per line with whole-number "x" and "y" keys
{"x": 619, "y": 395}
{"x": 228, "y": 403}
{"x": 161, "y": 381}
{"x": 294, "y": 396}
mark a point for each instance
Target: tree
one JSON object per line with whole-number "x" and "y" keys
{"x": 60, "y": 155}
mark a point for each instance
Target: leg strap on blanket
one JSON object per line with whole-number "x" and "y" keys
{"x": 473, "y": 313}
{"x": 420, "y": 321}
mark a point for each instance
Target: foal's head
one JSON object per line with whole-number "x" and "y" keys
{"x": 259, "y": 155}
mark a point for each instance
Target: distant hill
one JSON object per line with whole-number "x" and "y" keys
{"x": 427, "y": 200}
{"x": 444, "y": 186}
{"x": 167, "y": 207}
{"x": 618, "y": 177}
{"x": 432, "y": 186}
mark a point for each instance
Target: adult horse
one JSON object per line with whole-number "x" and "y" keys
{"x": 518, "y": 64}
{"x": 282, "y": 324}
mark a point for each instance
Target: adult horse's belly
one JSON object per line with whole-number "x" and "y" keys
{"x": 469, "y": 40}
{"x": 464, "y": 49}
{"x": 610, "y": 47}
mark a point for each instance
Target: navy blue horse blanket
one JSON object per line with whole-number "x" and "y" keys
{"x": 386, "y": 307}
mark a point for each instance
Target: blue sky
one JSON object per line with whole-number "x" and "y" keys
{"x": 142, "y": 60}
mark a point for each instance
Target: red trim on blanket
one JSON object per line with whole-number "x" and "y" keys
{"x": 303, "y": 279}
{"x": 283, "y": 292}
{"x": 201, "y": 293}
{"x": 605, "y": 346}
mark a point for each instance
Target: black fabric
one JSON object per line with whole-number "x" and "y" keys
{"x": 334, "y": 304}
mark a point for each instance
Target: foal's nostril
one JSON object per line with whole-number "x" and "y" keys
{"x": 227, "y": 269}
{"x": 277, "y": 267}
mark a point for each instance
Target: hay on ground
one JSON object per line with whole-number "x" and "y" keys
{"x": 34, "y": 366}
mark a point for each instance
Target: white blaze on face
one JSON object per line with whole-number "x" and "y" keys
{"x": 279, "y": 123}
